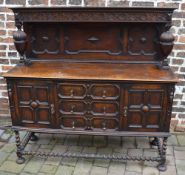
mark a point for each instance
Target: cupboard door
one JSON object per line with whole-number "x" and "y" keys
{"x": 143, "y": 107}
{"x": 35, "y": 103}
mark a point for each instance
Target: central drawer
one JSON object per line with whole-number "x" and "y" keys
{"x": 97, "y": 91}
{"x": 88, "y": 105}
{"x": 82, "y": 107}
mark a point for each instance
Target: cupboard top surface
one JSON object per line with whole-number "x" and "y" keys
{"x": 93, "y": 71}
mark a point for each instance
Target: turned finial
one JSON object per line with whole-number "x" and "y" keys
{"x": 20, "y": 38}
{"x": 166, "y": 46}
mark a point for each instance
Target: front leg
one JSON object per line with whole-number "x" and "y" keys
{"x": 154, "y": 142}
{"x": 20, "y": 158}
{"x": 162, "y": 164}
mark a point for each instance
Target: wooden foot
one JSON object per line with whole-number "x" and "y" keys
{"x": 162, "y": 164}
{"x": 20, "y": 160}
{"x": 154, "y": 142}
{"x": 33, "y": 137}
{"x": 162, "y": 167}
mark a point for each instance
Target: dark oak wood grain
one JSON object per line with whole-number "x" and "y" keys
{"x": 93, "y": 71}
{"x": 78, "y": 74}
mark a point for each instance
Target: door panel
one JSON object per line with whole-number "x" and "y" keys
{"x": 34, "y": 103}
{"x": 143, "y": 106}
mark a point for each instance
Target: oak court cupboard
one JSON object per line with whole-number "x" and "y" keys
{"x": 93, "y": 71}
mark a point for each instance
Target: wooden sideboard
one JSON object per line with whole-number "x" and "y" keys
{"x": 93, "y": 71}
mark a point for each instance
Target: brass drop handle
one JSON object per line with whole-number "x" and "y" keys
{"x": 73, "y": 124}
{"x": 104, "y": 125}
{"x": 125, "y": 111}
{"x": 72, "y": 92}
{"x": 104, "y": 110}
{"x": 72, "y": 108}
{"x": 52, "y": 108}
{"x": 104, "y": 93}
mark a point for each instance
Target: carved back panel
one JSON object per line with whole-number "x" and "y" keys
{"x": 115, "y": 35}
{"x": 92, "y": 41}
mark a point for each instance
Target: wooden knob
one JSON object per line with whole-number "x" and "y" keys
{"x": 145, "y": 108}
{"x": 34, "y": 104}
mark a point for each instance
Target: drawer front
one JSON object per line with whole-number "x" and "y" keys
{"x": 105, "y": 108}
{"x": 72, "y": 107}
{"x": 71, "y": 90}
{"x": 89, "y": 123}
{"x": 87, "y": 90}
{"x": 88, "y": 105}
{"x": 99, "y": 123}
{"x": 70, "y": 122}
{"x": 144, "y": 107}
{"x": 105, "y": 91}
{"x": 80, "y": 107}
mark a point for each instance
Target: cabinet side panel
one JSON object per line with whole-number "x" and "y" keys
{"x": 169, "y": 102}
{"x": 12, "y": 94}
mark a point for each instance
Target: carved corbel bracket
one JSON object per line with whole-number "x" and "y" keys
{"x": 20, "y": 40}
{"x": 166, "y": 45}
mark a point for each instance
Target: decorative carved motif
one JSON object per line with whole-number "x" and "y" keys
{"x": 93, "y": 39}
{"x": 141, "y": 40}
{"x": 104, "y": 40}
{"x": 87, "y": 16}
{"x": 45, "y": 41}
{"x": 171, "y": 90}
{"x": 18, "y": 21}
